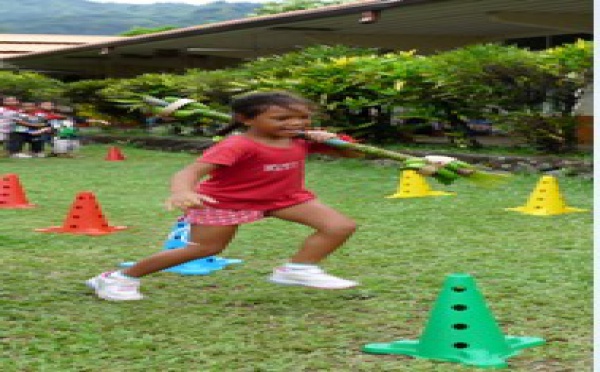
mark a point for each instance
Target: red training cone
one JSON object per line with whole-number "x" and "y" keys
{"x": 12, "y": 195}
{"x": 85, "y": 217}
{"x": 114, "y": 154}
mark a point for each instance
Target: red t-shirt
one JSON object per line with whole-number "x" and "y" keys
{"x": 255, "y": 176}
{"x": 48, "y": 115}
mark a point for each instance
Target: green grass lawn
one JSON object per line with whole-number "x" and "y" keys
{"x": 534, "y": 272}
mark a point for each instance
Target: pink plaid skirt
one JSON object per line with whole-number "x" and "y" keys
{"x": 221, "y": 217}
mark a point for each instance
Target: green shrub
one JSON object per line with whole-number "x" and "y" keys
{"x": 29, "y": 86}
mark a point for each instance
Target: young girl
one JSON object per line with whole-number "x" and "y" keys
{"x": 257, "y": 174}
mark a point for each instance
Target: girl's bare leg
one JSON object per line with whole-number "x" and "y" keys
{"x": 204, "y": 241}
{"x": 332, "y": 229}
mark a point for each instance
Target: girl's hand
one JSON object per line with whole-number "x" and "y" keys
{"x": 185, "y": 200}
{"x": 434, "y": 163}
{"x": 438, "y": 160}
{"x": 318, "y": 135}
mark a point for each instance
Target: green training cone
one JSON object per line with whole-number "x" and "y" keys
{"x": 462, "y": 329}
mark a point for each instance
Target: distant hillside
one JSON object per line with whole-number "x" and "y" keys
{"x": 82, "y": 17}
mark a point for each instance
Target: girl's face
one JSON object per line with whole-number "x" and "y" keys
{"x": 279, "y": 121}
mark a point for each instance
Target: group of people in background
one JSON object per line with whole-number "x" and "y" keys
{"x": 32, "y": 126}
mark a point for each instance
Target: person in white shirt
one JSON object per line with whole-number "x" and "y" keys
{"x": 8, "y": 112}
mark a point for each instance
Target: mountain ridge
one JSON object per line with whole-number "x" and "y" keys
{"x": 83, "y": 17}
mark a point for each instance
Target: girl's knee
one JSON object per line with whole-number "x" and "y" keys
{"x": 350, "y": 225}
{"x": 344, "y": 227}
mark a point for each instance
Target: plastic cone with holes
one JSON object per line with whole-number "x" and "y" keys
{"x": 85, "y": 217}
{"x": 461, "y": 329}
{"x": 546, "y": 200}
{"x": 12, "y": 195}
{"x": 413, "y": 185}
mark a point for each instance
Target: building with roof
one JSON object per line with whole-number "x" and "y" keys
{"x": 424, "y": 25}
{"x": 13, "y": 45}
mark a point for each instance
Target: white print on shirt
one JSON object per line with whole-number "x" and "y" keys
{"x": 280, "y": 167}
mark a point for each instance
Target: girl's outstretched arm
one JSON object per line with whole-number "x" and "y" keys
{"x": 183, "y": 195}
{"x": 320, "y": 136}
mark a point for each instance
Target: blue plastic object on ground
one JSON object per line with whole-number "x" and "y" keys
{"x": 178, "y": 238}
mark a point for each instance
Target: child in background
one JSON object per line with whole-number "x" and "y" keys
{"x": 254, "y": 175}
{"x": 47, "y": 111}
{"x": 4, "y": 133}
{"x": 32, "y": 128}
{"x": 66, "y": 135}
{"x": 8, "y": 111}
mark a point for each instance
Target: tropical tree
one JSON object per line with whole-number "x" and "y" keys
{"x": 544, "y": 114}
{"x": 456, "y": 86}
{"x": 282, "y": 6}
{"x": 135, "y": 31}
{"x": 370, "y": 95}
{"x": 86, "y": 98}
{"x": 29, "y": 86}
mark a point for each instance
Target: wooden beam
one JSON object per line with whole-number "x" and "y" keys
{"x": 575, "y": 22}
{"x": 422, "y": 43}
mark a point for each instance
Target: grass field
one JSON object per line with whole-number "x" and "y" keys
{"x": 534, "y": 272}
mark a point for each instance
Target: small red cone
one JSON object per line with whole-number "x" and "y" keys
{"x": 114, "y": 154}
{"x": 85, "y": 217}
{"x": 12, "y": 195}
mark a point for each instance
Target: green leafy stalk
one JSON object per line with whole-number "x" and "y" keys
{"x": 369, "y": 150}
{"x": 446, "y": 174}
{"x": 188, "y": 110}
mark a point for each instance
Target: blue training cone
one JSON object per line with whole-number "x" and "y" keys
{"x": 178, "y": 238}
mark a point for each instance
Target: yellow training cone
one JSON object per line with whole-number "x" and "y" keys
{"x": 546, "y": 200}
{"x": 413, "y": 185}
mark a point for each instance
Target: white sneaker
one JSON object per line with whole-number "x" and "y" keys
{"x": 115, "y": 288}
{"x": 21, "y": 155}
{"x": 313, "y": 277}
{"x": 39, "y": 155}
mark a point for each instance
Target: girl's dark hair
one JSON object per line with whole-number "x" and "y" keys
{"x": 252, "y": 104}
